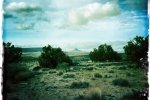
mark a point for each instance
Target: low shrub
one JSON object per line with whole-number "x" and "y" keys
{"x": 80, "y": 97}
{"x": 60, "y": 73}
{"x": 93, "y": 78}
{"x": 69, "y": 76}
{"x": 14, "y": 98}
{"x": 16, "y": 72}
{"x": 8, "y": 86}
{"x": 23, "y": 76}
{"x": 80, "y": 85}
{"x": 36, "y": 68}
{"x": 121, "y": 82}
{"x": 107, "y": 76}
{"x": 45, "y": 69}
{"x": 132, "y": 66}
{"x": 111, "y": 71}
{"x": 122, "y": 68}
{"x": 135, "y": 95}
{"x": 129, "y": 74}
{"x": 13, "y": 69}
{"x": 63, "y": 66}
{"x": 97, "y": 75}
{"x": 52, "y": 71}
{"x": 89, "y": 68}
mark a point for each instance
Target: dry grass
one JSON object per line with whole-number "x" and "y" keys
{"x": 82, "y": 85}
{"x": 93, "y": 93}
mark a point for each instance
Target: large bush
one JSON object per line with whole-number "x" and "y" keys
{"x": 103, "y": 53}
{"x": 137, "y": 48}
{"x": 13, "y": 72}
{"x": 17, "y": 72}
{"x": 51, "y": 57}
{"x": 11, "y": 53}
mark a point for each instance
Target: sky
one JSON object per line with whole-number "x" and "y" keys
{"x": 69, "y": 24}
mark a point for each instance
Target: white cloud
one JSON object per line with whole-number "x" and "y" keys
{"x": 63, "y": 4}
{"x": 22, "y": 7}
{"x": 92, "y": 12}
{"x": 25, "y": 26}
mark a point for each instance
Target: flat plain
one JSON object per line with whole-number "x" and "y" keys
{"x": 80, "y": 80}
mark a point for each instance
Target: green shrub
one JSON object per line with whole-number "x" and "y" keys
{"x": 52, "y": 71}
{"x": 129, "y": 74}
{"x": 132, "y": 66}
{"x": 107, "y": 76}
{"x": 121, "y": 82}
{"x": 111, "y": 71}
{"x": 122, "y": 68}
{"x": 104, "y": 53}
{"x": 45, "y": 69}
{"x": 9, "y": 87}
{"x": 63, "y": 66}
{"x": 16, "y": 72}
{"x": 14, "y": 98}
{"x": 80, "y": 97}
{"x": 23, "y": 76}
{"x": 89, "y": 68}
{"x": 60, "y": 73}
{"x": 36, "y": 68}
{"x": 78, "y": 85}
{"x": 51, "y": 57}
{"x": 137, "y": 49}
{"x": 13, "y": 69}
{"x": 135, "y": 95}
{"x": 97, "y": 75}
{"x": 69, "y": 76}
{"x": 11, "y": 53}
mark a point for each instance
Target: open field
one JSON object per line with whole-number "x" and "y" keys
{"x": 79, "y": 80}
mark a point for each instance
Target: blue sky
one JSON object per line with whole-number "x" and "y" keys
{"x": 73, "y": 23}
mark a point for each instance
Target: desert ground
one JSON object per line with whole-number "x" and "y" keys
{"x": 81, "y": 80}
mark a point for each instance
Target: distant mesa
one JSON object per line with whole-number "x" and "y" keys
{"x": 76, "y": 49}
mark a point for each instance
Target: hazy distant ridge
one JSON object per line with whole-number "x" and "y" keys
{"x": 35, "y": 49}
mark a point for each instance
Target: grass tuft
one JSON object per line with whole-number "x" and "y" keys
{"x": 97, "y": 75}
{"x": 111, "y": 71}
{"x": 60, "y": 73}
{"x": 121, "y": 82}
{"x": 135, "y": 95}
{"x": 69, "y": 76}
{"x": 93, "y": 94}
{"x": 89, "y": 68}
{"x": 78, "y": 85}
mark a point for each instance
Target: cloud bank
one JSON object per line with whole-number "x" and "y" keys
{"x": 22, "y": 7}
{"x": 91, "y": 12}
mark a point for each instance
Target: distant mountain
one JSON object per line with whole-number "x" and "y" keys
{"x": 76, "y": 49}
{"x": 32, "y": 49}
{"x": 80, "y": 46}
